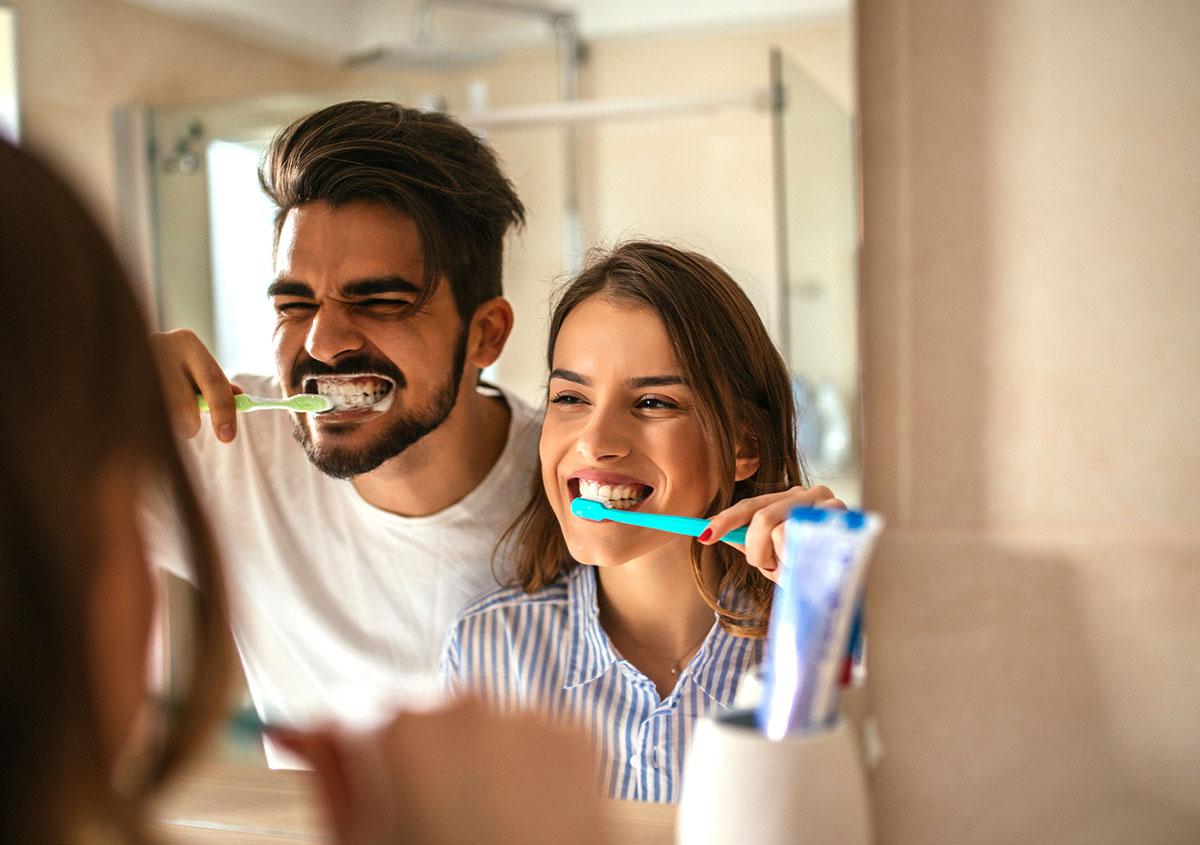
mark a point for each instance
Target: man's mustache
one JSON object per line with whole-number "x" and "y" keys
{"x": 306, "y": 366}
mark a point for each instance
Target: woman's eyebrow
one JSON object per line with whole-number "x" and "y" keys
{"x": 569, "y": 375}
{"x": 654, "y": 381}
{"x": 636, "y": 383}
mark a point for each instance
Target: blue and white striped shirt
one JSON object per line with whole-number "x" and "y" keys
{"x": 547, "y": 652}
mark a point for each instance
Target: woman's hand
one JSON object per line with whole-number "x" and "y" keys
{"x": 185, "y": 368}
{"x": 765, "y": 515}
{"x": 457, "y": 774}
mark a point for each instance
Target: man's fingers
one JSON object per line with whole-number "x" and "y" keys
{"x": 186, "y": 368}
{"x": 178, "y": 391}
{"x": 218, "y": 393}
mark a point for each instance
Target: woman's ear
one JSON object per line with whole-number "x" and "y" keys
{"x": 489, "y": 329}
{"x": 745, "y": 461}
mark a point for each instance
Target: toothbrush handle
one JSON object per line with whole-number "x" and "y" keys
{"x": 688, "y": 525}
{"x": 246, "y": 402}
{"x": 737, "y": 535}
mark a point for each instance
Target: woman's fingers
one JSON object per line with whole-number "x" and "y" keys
{"x": 764, "y": 517}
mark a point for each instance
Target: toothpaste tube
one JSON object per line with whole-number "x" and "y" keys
{"x": 817, "y": 600}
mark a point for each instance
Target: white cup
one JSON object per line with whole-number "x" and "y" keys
{"x": 740, "y": 787}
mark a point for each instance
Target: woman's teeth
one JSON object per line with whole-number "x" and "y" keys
{"x": 619, "y": 496}
{"x": 351, "y": 394}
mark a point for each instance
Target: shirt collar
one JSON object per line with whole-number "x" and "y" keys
{"x": 593, "y": 654}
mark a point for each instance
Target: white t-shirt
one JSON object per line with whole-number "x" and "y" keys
{"x": 340, "y": 609}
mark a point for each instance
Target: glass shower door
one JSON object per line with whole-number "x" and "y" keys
{"x": 817, "y": 203}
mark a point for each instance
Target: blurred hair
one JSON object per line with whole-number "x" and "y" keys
{"x": 742, "y": 389}
{"x": 422, "y": 164}
{"x": 80, "y": 395}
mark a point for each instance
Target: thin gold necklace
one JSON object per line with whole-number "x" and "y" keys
{"x": 675, "y": 667}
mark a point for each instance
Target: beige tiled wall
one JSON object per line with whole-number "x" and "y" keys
{"x": 1032, "y": 400}
{"x": 702, "y": 179}
{"x": 80, "y": 59}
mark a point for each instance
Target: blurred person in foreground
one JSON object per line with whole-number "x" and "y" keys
{"x": 85, "y": 439}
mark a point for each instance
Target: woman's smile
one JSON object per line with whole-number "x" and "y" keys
{"x": 610, "y": 489}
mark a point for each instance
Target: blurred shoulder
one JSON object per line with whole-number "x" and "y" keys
{"x": 507, "y": 601}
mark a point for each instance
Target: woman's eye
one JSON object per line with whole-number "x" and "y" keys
{"x": 656, "y": 403}
{"x": 565, "y": 399}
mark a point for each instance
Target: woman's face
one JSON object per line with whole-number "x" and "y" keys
{"x": 622, "y": 428}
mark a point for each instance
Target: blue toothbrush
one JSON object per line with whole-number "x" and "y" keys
{"x": 692, "y": 527}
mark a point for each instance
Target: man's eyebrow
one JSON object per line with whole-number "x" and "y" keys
{"x": 356, "y": 289}
{"x": 289, "y": 287}
{"x": 380, "y": 284}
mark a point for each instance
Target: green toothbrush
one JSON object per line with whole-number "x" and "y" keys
{"x": 308, "y": 403}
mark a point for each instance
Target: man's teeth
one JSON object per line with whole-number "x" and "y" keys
{"x": 353, "y": 394}
{"x": 619, "y": 496}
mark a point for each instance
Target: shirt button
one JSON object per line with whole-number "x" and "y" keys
{"x": 635, "y": 759}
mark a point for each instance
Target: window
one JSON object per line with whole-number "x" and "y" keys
{"x": 8, "y": 73}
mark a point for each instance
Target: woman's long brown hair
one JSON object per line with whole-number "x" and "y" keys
{"x": 78, "y": 392}
{"x": 742, "y": 389}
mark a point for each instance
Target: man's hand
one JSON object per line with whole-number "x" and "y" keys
{"x": 458, "y": 774}
{"x": 765, "y": 516}
{"x": 186, "y": 368}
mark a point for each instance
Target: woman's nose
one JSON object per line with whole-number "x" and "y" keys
{"x": 604, "y": 436}
{"x": 331, "y": 333}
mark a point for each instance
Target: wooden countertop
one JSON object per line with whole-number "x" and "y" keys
{"x": 248, "y": 805}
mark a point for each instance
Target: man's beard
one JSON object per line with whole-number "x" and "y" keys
{"x": 401, "y": 432}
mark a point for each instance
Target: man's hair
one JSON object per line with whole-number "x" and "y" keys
{"x": 422, "y": 164}
{"x": 742, "y": 389}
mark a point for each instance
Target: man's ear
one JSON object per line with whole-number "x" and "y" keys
{"x": 745, "y": 462}
{"x": 489, "y": 329}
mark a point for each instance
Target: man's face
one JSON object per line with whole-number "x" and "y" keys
{"x": 345, "y": 283}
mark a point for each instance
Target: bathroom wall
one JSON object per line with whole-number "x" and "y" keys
{"x": 1032, "y": 400}
{"x": 703, "y": 179}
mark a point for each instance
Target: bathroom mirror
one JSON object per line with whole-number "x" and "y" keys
{"x": 738, "y": 144}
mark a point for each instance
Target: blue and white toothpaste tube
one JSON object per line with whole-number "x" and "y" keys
{"x": 822, "y": 575}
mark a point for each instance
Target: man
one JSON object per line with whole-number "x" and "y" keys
{"x": 346, "y": 567}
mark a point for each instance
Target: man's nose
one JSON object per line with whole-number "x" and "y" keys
{"x": 331, "y": 333}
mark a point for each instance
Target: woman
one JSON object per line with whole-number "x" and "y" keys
{"x": 85, "y": 436}
{"x": 666, "y": 395}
